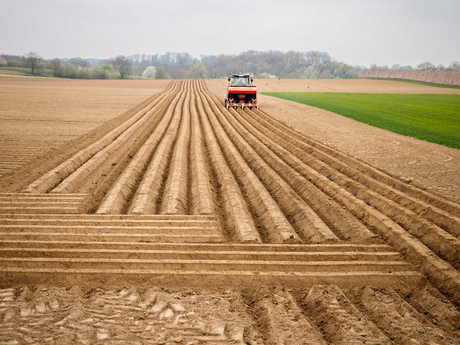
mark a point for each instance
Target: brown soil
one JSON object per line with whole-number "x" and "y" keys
{"x": 181, "y": 222}
{"x": 37, "y": 116}
{"x": 425, "y": 164}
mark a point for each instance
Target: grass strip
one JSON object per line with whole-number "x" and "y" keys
{"x": 430, "y": 117}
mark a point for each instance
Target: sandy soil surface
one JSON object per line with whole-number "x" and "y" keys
{"x": 431, "y": 166}
{"x": 182, "y": 222}
{"x": 39, "y": 115}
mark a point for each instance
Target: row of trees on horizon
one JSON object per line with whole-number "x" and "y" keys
{"x": 271, "y": 64}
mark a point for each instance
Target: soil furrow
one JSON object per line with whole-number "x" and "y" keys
{"x": 278, "y": 229}
{"x": 69, "y": 184}
{"x": 442, "y": 243}
{"x": 175, "y": 193}
{"x": 55, "y": 176}
{"x": 148, "y": 194}
{"x": 346, "y": 226}
{"x": 102, "y": 180}
{"x": 307, "y": 224}
{"x": 307, "y": 153}
{"x": 62, "y": 252}
{"x": 277, "y": 252}
{"x": 239, "y": 219}
{"x": 325, "y": 164}
{"x": 116, "y": 199}
{"x": 445, "y": 278}
{"x": 439, "y": 217}
{"x": 100, "y": 228}
{"x": 200, "y": 180}
{"x": 439, "y": 202}
{"x": 437, "y": 308}
{"x": 381, "y": 265}
{"x": 165, "y": 263}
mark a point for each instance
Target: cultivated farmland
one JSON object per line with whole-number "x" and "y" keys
{"x": 183, "y": 222}
{"x": 39, "y": 115}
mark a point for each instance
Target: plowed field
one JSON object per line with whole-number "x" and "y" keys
{"x": 38, "y": 115}
{"x": 427, "y": 165}
{"x": 184, "y": 222}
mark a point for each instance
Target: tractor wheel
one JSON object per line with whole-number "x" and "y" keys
{"x": 225, "y": 103}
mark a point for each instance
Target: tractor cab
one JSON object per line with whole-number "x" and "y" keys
{"x": 240, "y": 80}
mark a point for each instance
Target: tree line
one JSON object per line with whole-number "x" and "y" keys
{"x": 424, "y": 66}
{"x": 274, "y": 64}
{"x": 268, "y": 64}
{"x": 76, "y": 68}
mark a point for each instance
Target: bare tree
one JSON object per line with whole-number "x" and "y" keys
{"x": 317, "y": 58}
{"x": 135, "y": 58}
{"x": 33, "y": 60}
{"x": 455, "y": 66}
{"x": 56, "y": 66}
{"x": 123, "y": 65}
{"x": 79, "y": 62}
{"x": 183, "y": 58}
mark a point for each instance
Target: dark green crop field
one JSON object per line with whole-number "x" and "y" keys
{"x": 434, "y": 118}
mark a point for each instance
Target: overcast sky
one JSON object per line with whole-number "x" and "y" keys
{"x": 357, "y": 32}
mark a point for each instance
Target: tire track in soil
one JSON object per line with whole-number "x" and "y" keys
{"x": 188, "y": 166}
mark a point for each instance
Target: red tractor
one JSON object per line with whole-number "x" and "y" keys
{"x": 241, "y": 92}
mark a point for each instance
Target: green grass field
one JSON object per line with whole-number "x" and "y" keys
{"x": 434, "y": 118}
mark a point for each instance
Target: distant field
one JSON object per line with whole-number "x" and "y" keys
{"x": 434, "y": 118}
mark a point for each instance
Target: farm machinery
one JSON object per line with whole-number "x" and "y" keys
{"x": 241, "y": 92}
